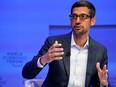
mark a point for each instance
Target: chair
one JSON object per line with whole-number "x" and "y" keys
{"x": 33, "y": 82}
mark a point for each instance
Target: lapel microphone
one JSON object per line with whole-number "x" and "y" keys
{"x": 68, "y": 54}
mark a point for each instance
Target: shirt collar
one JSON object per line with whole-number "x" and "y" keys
{"x": 74, "y": 44}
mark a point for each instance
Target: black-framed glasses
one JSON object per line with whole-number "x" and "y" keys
{"x": 81, "y": 16}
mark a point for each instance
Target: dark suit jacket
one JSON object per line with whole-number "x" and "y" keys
{"x": 59, "y": 71}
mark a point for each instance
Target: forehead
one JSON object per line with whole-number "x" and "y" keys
{"x": 80, "y": 10}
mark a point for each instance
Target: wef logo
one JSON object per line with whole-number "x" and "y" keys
{"x": 16, "y": 59}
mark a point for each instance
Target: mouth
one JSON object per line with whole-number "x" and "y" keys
{"x": 77, "y": 27}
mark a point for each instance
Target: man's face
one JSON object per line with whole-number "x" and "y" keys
{"x": 81, "y": 21}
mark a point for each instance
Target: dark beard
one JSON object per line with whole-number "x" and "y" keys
{"x": 79, "y": 34}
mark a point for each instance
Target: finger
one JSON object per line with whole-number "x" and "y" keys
{"x": 98, "y": 67}
{"x": 58, "y": 58}
{"x": 56, "y": 42}
{"x": 104, "y": 68}
{"x": 54, "y": 46}
{"x": 55, "y": 50}
{"x": 106, "y": 76}
{"x": 58, "y": 54}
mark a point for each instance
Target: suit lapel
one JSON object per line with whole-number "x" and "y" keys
{"x": 66, "y": 42}
{"x": 91, "y": 61}
{"x": 66, "y": 56}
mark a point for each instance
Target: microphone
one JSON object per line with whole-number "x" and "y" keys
{"x": 68, "y": 54}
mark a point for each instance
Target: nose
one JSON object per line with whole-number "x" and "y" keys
{"x": 78, "y": 20}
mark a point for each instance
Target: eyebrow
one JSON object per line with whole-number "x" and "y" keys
{"x": 80, "y": 14}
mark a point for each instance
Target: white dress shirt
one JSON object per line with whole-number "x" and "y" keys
{"x": 78, "y": 64}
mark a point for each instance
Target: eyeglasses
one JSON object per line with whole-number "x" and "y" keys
{"x": 81, "y": 16}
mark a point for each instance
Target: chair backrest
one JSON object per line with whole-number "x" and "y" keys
{"x": 33, "y": 82}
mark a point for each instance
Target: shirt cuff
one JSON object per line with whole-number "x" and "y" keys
{"x": 39, "y": 64}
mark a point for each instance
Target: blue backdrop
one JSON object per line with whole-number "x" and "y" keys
{"x": 25, "y": 24}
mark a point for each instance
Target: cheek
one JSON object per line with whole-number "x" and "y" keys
{"x": 72, "y": 23}
{"x": 87, "y": 26}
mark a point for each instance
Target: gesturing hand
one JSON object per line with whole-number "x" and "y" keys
{"x": 103, "y": 74}
{"x": 55, "y": 52}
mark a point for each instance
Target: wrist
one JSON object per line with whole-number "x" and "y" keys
{"x": 42, "y": 61}
{"x": 104, "y": 85}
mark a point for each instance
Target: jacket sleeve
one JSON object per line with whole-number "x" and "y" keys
{"x": 30, "y": 69}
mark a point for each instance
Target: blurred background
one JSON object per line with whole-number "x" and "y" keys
{"x": 25, "y": 24}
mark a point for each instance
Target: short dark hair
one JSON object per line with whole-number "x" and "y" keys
{"x": 85, "y": 4}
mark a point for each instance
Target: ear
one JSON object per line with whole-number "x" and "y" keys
{"x": 93, "y": 20}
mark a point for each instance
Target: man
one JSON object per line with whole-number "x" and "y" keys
{"x": 75, "y": 59}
